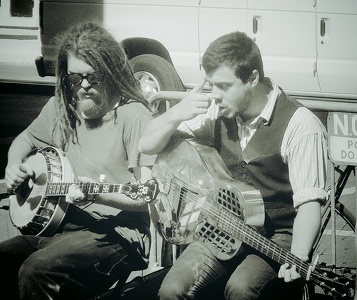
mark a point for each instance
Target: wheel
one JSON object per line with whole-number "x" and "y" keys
{"x": 155, "y": 74}
{"x": 345, "y": 242}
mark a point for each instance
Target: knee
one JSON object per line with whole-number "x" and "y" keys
{"x": 31, "y": 271}
{"x": 170, "y": 290}
{"x": 240, "y": 289}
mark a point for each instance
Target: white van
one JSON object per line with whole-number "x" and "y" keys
{"x": 309, "y": 47}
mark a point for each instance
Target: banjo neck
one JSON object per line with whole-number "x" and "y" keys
{"x": 90, "y": 188}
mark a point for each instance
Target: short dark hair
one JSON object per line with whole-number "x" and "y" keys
{"x": 237, "y": 51}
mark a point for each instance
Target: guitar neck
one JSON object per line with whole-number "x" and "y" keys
{"x": 237, "y": 228}
{"x": 61, "y": 188}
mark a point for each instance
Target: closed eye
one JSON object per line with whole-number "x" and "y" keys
{"x": 223, "y": 86}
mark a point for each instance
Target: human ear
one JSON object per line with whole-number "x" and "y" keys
{"x": 254, "y": 78}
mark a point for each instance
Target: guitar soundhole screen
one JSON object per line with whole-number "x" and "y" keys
{"x": 222, "y": 241}
{"x": 229, "y": 200}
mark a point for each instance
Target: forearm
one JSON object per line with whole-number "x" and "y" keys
{"x": 306, "y": 227}
{"x": 158, "y": 133}
{"x": 122, "y": 202}
{"x": 16, "y": 170}
{"x": 19, "y": 149}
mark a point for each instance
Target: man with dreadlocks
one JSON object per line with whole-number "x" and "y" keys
{"x": 96, "y": 119}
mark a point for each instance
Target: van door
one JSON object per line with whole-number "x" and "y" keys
{"x": 172, "y": 23}
{"x": 217, "y": 18}
{"x": 337, "y": 46}
{"x": 285, "y": 31}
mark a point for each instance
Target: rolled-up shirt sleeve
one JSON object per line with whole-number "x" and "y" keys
{"x": 304, "y": 149}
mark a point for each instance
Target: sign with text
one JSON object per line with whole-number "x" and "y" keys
{"x": 342, "y": 137}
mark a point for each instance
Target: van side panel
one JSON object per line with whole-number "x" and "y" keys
{"x": 309, "y": 47}
{"x": 175, "y": 27}
{"x": 57, "y": 17}
{"x": 285, "y": 31}
{"x": 217, "y": 18}
{"x": 337, "y": 46}
{"x": 144, "y": 19}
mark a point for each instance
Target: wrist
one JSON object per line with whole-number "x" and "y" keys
{"x": 90, "y": 198}
{"x": 84, "y": 202}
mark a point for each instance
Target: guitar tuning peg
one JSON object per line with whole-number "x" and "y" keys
{"x": 101, "y": 178}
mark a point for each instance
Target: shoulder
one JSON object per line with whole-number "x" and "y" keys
{"x": 304, "y": 125}
{"x": 134, "y": 114}
{"x": 134, "y": 106}
{"x": 307, "y": 121}
{"x": 48, "y": 111}
{"x": 50, "y": 104}
{"x": 133, "y": 109}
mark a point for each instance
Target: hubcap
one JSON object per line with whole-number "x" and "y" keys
{"x": 148, "y": 83}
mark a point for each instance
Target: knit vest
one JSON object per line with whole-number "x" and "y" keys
{"x": 260, "y": 163}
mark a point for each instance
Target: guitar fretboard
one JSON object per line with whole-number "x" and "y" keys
{"x": 236, "y": 228}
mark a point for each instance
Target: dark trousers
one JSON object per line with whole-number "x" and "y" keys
{"x": 75, "y": 264}
{"x": 198, "y": 274}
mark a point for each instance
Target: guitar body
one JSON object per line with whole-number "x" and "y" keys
{"x": 196, "y": 194}
{"x": 31, "y": 210}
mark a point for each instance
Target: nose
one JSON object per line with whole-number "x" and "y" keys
{"x": 85, "y": 83}
{"x": 216, "y": 95}
{"x": 217, "y": 98}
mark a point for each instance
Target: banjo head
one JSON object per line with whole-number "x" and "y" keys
{"x": 31, "y": 211}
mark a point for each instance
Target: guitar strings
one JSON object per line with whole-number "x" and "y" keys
{"x": 249, "y": 232}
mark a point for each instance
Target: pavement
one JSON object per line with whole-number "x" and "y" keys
{"x": 25, "y": 73}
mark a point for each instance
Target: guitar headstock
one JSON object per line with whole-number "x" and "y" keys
{"x": 337, "y": 285}
{"x": 147, "y": 191}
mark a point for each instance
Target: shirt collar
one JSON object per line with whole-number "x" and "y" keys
{"x": 267, "y": 112}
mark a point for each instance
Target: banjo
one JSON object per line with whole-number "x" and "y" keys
{"x": 38, "y": 205}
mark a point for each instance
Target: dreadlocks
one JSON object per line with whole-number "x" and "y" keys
{"x": 95, "y": 46}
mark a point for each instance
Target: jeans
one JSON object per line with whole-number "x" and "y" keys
{"x": 76, "y": 264}
{"x": 198, "y": 274}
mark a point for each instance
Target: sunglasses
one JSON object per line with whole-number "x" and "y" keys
{"x": 76, "y": 78}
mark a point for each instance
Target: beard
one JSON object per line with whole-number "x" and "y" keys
{"x": 91, "y": 105}
{"x": 87, "y": 109}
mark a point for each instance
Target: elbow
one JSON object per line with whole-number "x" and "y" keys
{"x": 144, "y": 147}
{"x": 148, "y": 148}
{"x": 141, "y": 146}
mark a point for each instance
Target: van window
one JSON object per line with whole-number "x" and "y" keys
{"x": 21, "y": 8}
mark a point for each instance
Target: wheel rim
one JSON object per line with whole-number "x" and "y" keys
{"x": 148, "y": 83}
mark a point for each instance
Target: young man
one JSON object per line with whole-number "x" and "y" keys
{"x": 96, "y": 119}
{"x": 265, "y": 139}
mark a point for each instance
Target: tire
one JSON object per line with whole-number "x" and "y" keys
{"x": 155, "y": 74}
